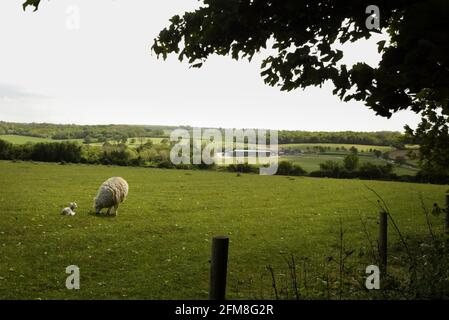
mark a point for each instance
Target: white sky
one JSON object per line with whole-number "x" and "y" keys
{"x": 104, "y": 73}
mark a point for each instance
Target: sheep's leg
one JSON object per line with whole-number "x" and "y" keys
{"x": 116, "y": 210}
{"x": 109, "y": 210}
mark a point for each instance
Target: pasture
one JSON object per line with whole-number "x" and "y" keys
{"x": 159, "y": 245}
{"x": 334, "y": 146}
{"x": 311, "y": 162}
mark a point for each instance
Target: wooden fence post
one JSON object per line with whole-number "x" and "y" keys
{"x": 446, "y": 215}
{"x": 383, "y": 242}
{"x": 218, "y": 268}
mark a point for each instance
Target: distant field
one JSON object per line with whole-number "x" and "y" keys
{"x": 139, "y": 141}
{"x": 412, "y": 146}
{"x": 311, "y": 162}
{"x": 334, "y": 146}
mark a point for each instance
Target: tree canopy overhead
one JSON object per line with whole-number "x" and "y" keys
{"x": 303, "y": 32}
{"x": 413, "y": 72}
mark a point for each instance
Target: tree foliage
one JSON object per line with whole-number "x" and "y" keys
{"x": 92, "y": 133}
{"x": 381, "y": 138}
{"x": 303, "y": 33}
{"x": 432, "y": 135}
{"x": 351, "y": 162}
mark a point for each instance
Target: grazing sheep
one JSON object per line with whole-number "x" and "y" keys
{"x": 111, "y": 193}
{"x": 69, "y": 211}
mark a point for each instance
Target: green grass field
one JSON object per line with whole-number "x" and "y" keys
{"x": 333, "y": 146}
{"x": 138, "y": 141}
{"x": 159, "y": 245}
{"x": 311, "y": 162}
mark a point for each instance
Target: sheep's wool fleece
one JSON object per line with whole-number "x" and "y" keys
{"x": 111, "y": 193}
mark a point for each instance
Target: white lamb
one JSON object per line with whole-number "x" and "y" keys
{"x": 69, "y": 211}
{"x": 111, "y": 193}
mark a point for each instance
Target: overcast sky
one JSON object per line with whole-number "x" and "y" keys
{"x": 104, "y": 72}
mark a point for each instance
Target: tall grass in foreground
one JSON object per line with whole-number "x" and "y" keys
{"x": 418, "y": 267}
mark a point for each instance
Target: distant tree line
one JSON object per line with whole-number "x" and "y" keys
{"x": 285, "y": 168}
{"x": 73, "y": 152}
{"x": 46, "y": 152}
{"x": 382, "y": 138}
{"x": 120, "y": 133}
{"x": 90, "y": 133}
